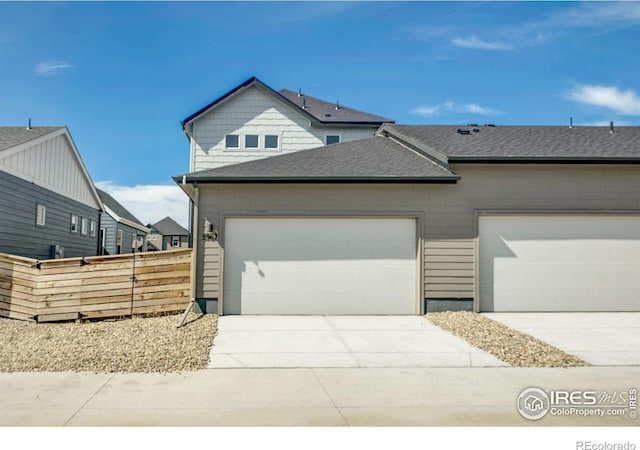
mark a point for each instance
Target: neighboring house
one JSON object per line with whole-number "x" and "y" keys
{"x": 252, "y": 121}
{"x": 425, "y": 218}
{"x": 120, "y": 231}
{"x": 167, "y": 234}
{"x": 43, "y": 185}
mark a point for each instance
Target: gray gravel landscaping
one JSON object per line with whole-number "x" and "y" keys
{"x": 139, "y": 344}
{"x": 509, "y": 345}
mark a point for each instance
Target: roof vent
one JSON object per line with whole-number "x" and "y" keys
{"x": 461, "y": 131}
{"x": 476, "y": 130}
{"x": 304, "y": 103}
{"x": 327, "y": 115}
{"x": 29, "y": 126}
{"x": 337, "y": 105}
{"x": 490, "y": 125}
{"x": 611, "y": 131}
{"x": 570, "y": 122}
{"x": 300, "y": 92}
{"x": 472, "y": 124}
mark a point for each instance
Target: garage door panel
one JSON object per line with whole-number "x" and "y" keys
{"x": 559, "y": 263}
{"x": 320, "y": 266}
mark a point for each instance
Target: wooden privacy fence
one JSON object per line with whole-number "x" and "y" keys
{"x": 94, "y": 287}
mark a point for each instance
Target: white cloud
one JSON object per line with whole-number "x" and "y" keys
{"x": 606, "y": 123}
{"x": 474, "y": 42}
{"x": 610, "y": 97}
{"x": 451, "y": 107}
{"x": 51, "y": 67}
{"x": 600, "y": 13}
{"x": 151, "y": 203}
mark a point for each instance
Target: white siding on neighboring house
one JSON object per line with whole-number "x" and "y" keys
{"x": 51, "y": 164}
{"x": 256, "y": 112}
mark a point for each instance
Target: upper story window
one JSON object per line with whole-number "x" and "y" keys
{"x": 175, "y": 241}
{"x": 251, "y": 141}
{"x": 332, "y": 139}
{"x": 271, "y": 141}
{"x": 232, "y": 141}
{"x": 92, "y": 228}
{"x": 41, "y": 215}
{"x": 74, "y": 223}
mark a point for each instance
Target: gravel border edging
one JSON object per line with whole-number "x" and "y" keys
{"x": 509, "y": 345}
{"x": 138, "y": 344}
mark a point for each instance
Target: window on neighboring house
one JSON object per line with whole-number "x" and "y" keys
{"x": 271, "y": 141}
{"x": 175, "y": 241}
{"x": 332, "y": 139}
{"x": 74, "y": 223}
{"x": 85, "y": 226}
{"x": 231, "y": 141}
{"x": 92, "y": 228}
{"x": 251, "y": 141}
{"x": 119, "y": 242}
{"x": 134, "y": 241}
{"x": 41, "y": 215}
{"x": 152, "y": 237}
{"x": 103, "y": 241}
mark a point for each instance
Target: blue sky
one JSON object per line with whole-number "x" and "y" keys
{"x": 121, "y": 75}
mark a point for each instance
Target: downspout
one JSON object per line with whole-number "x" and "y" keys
{"x": 194, "y": 233}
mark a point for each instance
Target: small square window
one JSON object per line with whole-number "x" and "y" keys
{"x": 175, "y": 241}
{"x": 85, "y": 226}
{"x": 92, "y": 228}
{"x": 41, "y": 215}
{"x": 74, "y": 223}
{"x": 332, "y": 139}
{"x": 231, "y": 141}
{"x": 271, "y": 141}
{"x": 251, "y": 141}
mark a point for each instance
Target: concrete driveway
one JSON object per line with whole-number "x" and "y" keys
{"x": 340, "y": 341}
{"x": 601, "y": 339}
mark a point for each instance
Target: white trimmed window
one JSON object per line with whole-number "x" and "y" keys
{"x": 74, "y": 223}
{"x": 232, "y": 141}
{"x": 85, "y": 226}
{"x": 251, "y": 141}
{"x": 41, "y": 215}
{"x": 119, "y": 242}
{"x": 332, "y": 139}
{"x": 92, "y": 228}
{"x": 271, "y": 141}
{"x": 175, "y": 241}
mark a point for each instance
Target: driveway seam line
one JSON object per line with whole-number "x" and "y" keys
{"x": 313, "y": 370}
{"x": 335, "y": 331}
{"x": 89, "y": 399}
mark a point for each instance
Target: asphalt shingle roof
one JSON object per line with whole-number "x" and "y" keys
{"x": 376, "y": 159}
{"x": 12, "y": 136}
{"x": 527, "y": 142}
{"x": 327, "y": 112}
{"x": 117, "y": 208}
{"x": 169, "y": 227}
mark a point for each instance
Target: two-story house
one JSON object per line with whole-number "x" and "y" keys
{"x": 253, "y": 121}
{"x": 49, "y": 207}
{"x": 167, "y": 234}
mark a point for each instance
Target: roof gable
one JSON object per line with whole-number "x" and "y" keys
{"x": 169, "y": 227}
{"x": 119, "y": 213}
{"x": 48, "y": 157}
{"x": 316, "y": 110}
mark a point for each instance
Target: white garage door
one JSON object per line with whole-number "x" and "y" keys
{"x": 559, "y": 263}
{"x": 320, "y": 266}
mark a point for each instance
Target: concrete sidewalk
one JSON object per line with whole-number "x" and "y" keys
{"x": 300, "y": 397}
{"x": 340, "y": 341}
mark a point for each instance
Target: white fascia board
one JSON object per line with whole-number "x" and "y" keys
{"x": 388, "y": 131}
{"x": 124, "y": 221}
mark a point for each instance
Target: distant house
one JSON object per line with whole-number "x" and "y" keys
{"x": 120, "y": 231}
{"x": 49, "y": 206}
{"x": 167, "y": 235}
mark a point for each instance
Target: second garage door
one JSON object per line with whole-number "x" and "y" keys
{"x": 559, "y": 263}
{"x": 320, "y": 266}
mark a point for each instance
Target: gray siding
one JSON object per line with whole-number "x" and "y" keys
{"x": 19, "y": 234}
{"x": 449, "y": 226}
{"x": 111, "y": 226}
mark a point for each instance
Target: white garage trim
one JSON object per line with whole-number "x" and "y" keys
{"x": 559, "y": 262}
{"x": 280, "y": 264}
